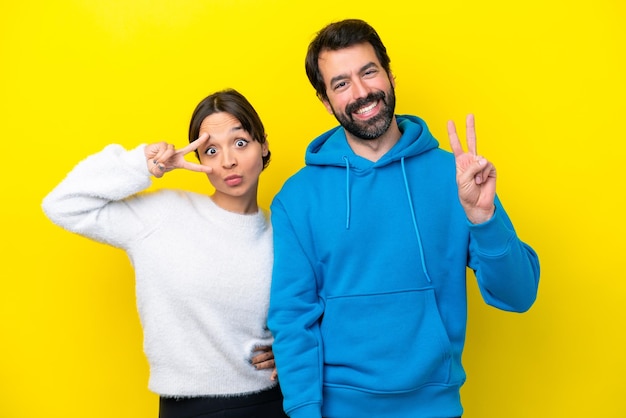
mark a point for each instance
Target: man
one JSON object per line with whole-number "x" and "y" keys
{"x": 372, "y": 240}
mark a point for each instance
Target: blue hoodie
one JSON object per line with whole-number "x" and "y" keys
{"x": 368, "y": 304}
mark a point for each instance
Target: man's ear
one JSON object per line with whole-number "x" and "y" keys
{"x": 327, "y": 106}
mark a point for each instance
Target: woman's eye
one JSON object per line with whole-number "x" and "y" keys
{"x": 210, "y": 151}
{"x": 241, "y": 143}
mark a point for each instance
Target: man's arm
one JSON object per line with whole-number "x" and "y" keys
{"x": 506, "y": 268}
{"x": 295, "y": 311}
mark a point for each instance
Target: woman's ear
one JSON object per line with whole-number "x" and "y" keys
{"x": 265, "y": 146}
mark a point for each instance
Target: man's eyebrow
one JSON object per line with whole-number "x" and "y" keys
{"x": 345, "y": 75}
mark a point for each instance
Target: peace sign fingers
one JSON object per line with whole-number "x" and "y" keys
{"x": 470, "y": 132}
{"x": 163, "y": 157}
{"x": 455, "y": 143}
{"x": 193, "y": 146}
{"x": 475, "y": 176}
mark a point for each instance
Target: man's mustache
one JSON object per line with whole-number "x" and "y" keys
{"x": 372, "y": 97}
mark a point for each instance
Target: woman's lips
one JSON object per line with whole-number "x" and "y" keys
{"x": 233, "y": 180}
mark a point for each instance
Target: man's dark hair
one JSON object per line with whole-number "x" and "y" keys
{"x": 337, "y": 36}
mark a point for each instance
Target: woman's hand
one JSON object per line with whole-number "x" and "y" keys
{"x": 264, "y": 360}
{"x": 163, "y": 157}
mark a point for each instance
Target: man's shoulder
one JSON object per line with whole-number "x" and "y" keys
{"x": 302, "y": 183}
{"x": 305, "y": 175}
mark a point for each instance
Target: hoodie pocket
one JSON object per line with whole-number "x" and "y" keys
{"x": 389, "y": 342}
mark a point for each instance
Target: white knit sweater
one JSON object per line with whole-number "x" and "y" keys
{"x": 202, "y": 273}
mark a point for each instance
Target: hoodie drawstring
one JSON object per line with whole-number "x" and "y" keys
{"x": 417, "y": 232}
{"x": 347, "y": 191}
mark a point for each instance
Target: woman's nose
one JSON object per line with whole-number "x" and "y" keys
{"x": 228, "y": 159}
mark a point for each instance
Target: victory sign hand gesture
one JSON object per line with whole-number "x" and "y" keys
{"x": 475, "y": 176}
{"x": 163, "y": 157}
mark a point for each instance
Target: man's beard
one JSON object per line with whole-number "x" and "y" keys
{"x": 374, "y": 127}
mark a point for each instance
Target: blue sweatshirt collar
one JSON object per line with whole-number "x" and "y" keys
{"x": 332, "y": 149}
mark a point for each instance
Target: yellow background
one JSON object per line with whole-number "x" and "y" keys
{"x": 546, "y": 80}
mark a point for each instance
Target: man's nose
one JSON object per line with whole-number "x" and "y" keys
{"x": 360, "y": 89}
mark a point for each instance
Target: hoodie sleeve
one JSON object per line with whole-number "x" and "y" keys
{"x": 90, "y": 200}
{"x": 293, "y": 318}
{"x": 506, "y": 268}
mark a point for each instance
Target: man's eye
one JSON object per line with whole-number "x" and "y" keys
{"x": 339, "y": 85}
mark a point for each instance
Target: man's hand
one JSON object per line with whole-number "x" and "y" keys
{"x": 475, "y": 176}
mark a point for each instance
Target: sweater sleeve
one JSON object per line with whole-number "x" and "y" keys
{"x": 90, "y": 201}
{"x": 506, "y": 268}
{"x": 293, "y": 318}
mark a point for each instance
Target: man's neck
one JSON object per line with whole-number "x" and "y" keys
{"x": 374, "y": 149}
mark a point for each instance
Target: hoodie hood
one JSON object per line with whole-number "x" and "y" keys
{"x": 332, "y": 149}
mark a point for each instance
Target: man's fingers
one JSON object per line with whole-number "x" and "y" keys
{"x": 455, "y": 144}
{"x": 470, "y": 132}
{"x": 480, "y": 169}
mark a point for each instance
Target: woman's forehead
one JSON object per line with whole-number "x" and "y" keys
{"x": 220, "y": 123}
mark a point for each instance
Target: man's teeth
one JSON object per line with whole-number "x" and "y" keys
{"x": 366, "y": 109}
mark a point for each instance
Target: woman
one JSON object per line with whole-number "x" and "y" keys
{"x": 202, "y": 263}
